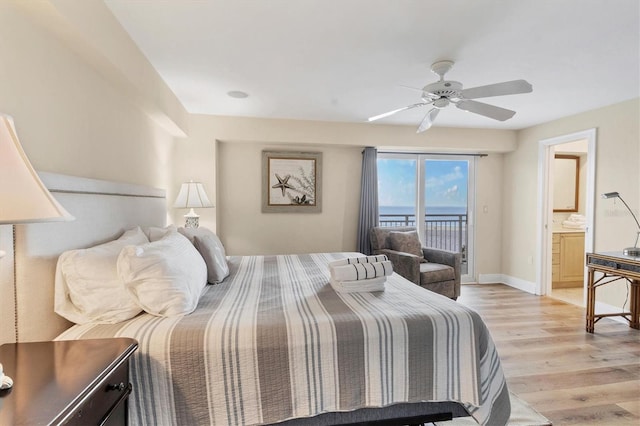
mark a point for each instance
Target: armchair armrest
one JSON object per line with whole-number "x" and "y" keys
{"x": 444, "y": 257}
{"x": 405, "y": 264}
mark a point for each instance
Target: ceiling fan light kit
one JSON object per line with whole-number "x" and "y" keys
{"x": 443, "y": 92}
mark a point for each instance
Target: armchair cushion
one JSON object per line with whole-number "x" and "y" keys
{"x": 407, "y": 242}
{"x": 435, "y": 272}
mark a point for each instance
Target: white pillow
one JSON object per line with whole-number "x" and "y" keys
{"x": 155, "y": 233}
{"x": 165, "y": 277}
{"x": 87, "y": 286}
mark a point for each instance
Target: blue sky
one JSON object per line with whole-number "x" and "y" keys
{"x": 446, "y": 182}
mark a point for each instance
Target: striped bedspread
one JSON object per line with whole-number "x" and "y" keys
{"x": 274, "y": 341}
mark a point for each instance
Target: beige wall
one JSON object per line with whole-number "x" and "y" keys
{"x": 489, "y": 173}
{"x": 71, "y": 118}
{"x": 246, "y": 230}
{"x": 231, "y": 171}
{"x": 617, "y": 169}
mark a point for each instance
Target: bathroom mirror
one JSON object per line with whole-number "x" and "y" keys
{"x": 566, "y": 179}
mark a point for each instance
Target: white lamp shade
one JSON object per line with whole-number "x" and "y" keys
{"x": 23, "y": 196}
{"x": 192, "y": 195}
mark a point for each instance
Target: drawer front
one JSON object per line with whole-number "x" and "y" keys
{"x": 555, "y": 273}
{"x": 625, "y": 267}
{"x": 103, "y": 400}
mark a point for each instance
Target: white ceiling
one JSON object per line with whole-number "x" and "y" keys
{"x": 348, "y": 60}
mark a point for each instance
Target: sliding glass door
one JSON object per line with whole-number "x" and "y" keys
{"x": 436, "y": 190}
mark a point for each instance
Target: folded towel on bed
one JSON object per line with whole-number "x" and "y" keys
{"x": 361, "y": 271}
{"x": 361, "y": 259}
{"x": 373, "y": 284}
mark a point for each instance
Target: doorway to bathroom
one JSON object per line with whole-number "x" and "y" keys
{"x": 566, "y": 192}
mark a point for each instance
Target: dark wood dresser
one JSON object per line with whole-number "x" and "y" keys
{"x": 75, "y": 382}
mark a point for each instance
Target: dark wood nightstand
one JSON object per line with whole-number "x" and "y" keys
{"x": 84, "y": 382}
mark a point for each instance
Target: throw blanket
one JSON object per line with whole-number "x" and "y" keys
{"x": 274, "y": 341}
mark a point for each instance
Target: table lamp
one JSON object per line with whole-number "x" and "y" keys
{"x": 23, "y": 196}
{"x": 192, "y": 195}
{"x": 629, "y": 251}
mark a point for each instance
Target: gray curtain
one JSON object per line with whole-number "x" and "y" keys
{"x": 368, "y": 199}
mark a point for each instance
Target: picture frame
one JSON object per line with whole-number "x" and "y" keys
{"x": 291, "y": 182}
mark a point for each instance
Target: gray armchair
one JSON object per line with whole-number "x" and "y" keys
{"x": 436, "y": 270}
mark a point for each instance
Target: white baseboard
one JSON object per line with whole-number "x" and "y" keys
{"x": 520, "y": 284}
{"x": 490, "y": 279}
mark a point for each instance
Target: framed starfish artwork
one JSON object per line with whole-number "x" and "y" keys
{"x": 291, "y": 182}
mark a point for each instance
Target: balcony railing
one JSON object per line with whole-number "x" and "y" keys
{"x": 445, "y": 231}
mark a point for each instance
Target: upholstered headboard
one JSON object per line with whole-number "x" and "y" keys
{"x": 103, "y": 210}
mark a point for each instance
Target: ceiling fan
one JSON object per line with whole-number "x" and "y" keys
{"x": 444, "y": 92}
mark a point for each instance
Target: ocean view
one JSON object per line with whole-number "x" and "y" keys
{"x": 444, "y": 232}
{"x": 402, "y": 210}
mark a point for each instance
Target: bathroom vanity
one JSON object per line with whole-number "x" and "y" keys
{"x": 567, "y": 258}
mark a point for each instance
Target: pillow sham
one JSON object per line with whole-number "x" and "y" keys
{"x": 212, "y": 251}
{"x": 164, "y": 277}
{"x": 407, "y": 242}
{"x": 87, "y": 286}
{"x": 155, "y": 233}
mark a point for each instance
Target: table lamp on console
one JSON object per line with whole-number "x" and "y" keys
{"x": 23, "y": 196}
{"x": 629, "y": 251}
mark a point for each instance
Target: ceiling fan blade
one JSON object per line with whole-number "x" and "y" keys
{"x": 497, "y": 113}
{"x": 386, "y": 114}
{"x": 499, "y": 89}
{"x": 410, "y": 87}
{"x": 428, "y": 120}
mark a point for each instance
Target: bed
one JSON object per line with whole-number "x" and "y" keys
{"x": 274, "y": 343}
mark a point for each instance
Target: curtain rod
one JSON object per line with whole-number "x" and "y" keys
{"x": 432, "y": 153}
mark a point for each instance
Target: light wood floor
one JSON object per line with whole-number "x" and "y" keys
{"x": 568, "y": 375}
{"x": 570, "y": 295}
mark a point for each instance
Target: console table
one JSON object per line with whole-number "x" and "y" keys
{"x": 614, "y": 266}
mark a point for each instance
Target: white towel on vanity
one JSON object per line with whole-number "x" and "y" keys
{"x": 575, "y": 221}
